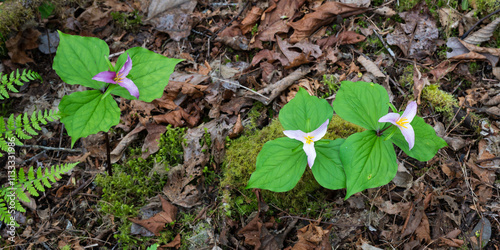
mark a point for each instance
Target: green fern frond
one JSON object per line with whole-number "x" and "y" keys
{"x": 23, "y": 126}
{"x": 31, "y": 182}
{"x": 7, "y": 82}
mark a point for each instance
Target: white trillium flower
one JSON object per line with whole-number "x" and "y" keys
{"x": 403, "y": 122}
{"x": 308, "y": 139}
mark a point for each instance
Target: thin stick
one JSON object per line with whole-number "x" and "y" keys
{"x": 51, "y": 148}
{"x": 385, "y": 44}
{"x": 241, "y": 86}
{"x": 108, "y": 154}
{"x": 478, "y": 22}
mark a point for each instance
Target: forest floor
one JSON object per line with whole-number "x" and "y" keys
{"x": 182, "y": 161}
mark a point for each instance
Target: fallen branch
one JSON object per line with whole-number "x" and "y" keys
{"x": 278, "y": 87}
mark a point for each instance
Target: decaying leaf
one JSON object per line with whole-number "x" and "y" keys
{"x": 251, "y": 19}
{"x": 323, "y": 15}
{"x": 298, "y": 54}
{"x": 346, "y": 37}
{"x": 118, "y": 151}
{"x": 370, "y": 66}
{"x": 461, "y": 53}
{"x": 311, "y": 237}
{"x": 417, "y": 37}
{"x": 24, "y": 40}
{"x": 173, "y": 17}
{"x": 420, "y": 81}
{"x": 385, "y": 11}
{"x": 174, "y": 243}
{"x": 275, "y": 19}
{"x": 484, "y": 34}
{"x": 156, "y": 223}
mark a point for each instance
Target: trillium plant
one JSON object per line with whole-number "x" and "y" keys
{"x": 363, "y": 160}
{"x": 138, "y": 74}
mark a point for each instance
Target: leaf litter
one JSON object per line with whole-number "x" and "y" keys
{"x": 240, "y": 57}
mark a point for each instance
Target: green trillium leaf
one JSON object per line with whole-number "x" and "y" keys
{"x": 427, "y": 143}
{"x": 280, "y": 164}
{"x": 79, "y": 58}
{"x": 150, "y": 73}
{"x": 305, "y": 112}
{"x": 327, "y": 168}
{"x": 368, "y": 161}
{"x": 85, "y": 113}
{"x": 361, "y": 103}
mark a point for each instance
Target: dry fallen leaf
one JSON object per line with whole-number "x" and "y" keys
{"x": 298, "y": 54}
{"x": 157, "y": 223}
{"x": 323, "y": 15}
{"x": 24, "y": 40}
{"x": 174, "y": 243}
{"x": 311, "y": 237}
{"x": 251, "y": 19}
{"x": 484, "y": 34}
{"x": 346, "y": 37}
{"x": 370, "y": 66}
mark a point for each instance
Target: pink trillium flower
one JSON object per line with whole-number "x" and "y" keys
{"x": 403, "y": 122}
{"x": 120, "y": 78}
{"x": 308, "y": 139}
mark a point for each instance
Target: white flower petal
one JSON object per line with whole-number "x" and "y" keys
{"x": 318, "y": 133}
{"x": 410, "y": 111}
{"x": 310, "y": 152}
{"x": 296, "y": 134}
{"x": 409, "y": 135}
{"x": 391, "y": 117}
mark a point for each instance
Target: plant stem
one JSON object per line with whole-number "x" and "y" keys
{"x": 379, "y": 133}
{"x": 108, "y": 154}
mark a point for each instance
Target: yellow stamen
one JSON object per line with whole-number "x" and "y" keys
{"x": 118, "y": 78}
{"x": 402, "y": 122}
{"x": 309, "y": 139}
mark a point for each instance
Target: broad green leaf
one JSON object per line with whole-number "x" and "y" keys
{"x": 85, "y": 113}
{"x": 150, "y": 73}
{"x": 361, "y": 103}
{"x": 327, "y": 168}
{"x": 368, "y": 161}
{"x": 79, "y": 58}
{"x": 280, "y": 164}
{"x": 305, "y": 112}
{"x": 427, "y": 143}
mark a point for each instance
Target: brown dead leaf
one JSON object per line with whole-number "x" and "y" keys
{"x": 323, "y": 15}
{"x": 298, "y": 54}
{"x": 152, "y": 140}
{"x": 94, "y": 16}
{"x": 413, "y": 221}
{"x": 251, "y": 19}
{"x": 237, "y": 129}
{"x": 174, "y": 243}
{"x": 346, "y": 37}
{"x": 118, "y": 6}
{"x": 269, "y": 55}
{"x": 420, "y": 81}
{"x": 370, "y": 66}
{"x": 172, "y": 17}
{"x": 442, "y": 70}
{"x": 423, "y": 230}
{"x": 310, "y": 237}
{"x": 118, "y": 151}
{"x": 17, "y": 46}
{"x": 275, "y": 19}
{"x": 156, "y": 223}
{"x": 400, "y": 208}
{"x": 484, "y": 34}
{"x": 461, "y": 53}
{"x": 418, "y": 35}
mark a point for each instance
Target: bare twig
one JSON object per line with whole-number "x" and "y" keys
{"x": 51, "y": 148}
{"x": 278, "y": 87}
{"x": 384, "y": 43}
{"x": 236, "y": 83}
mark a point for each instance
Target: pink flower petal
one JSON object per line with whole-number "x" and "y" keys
{"x": 410, "y": 111}
{"x": 130, "y": 86}
{"x": 391, "y": 117}
{"x": 126, "y": 67}
{"x": 296, "y": 134}
{"x": 105, "y": 76}
{"x": 310, "y": 152}
{"x": 409, "y": 135}
{"x": 318, "y": 133}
